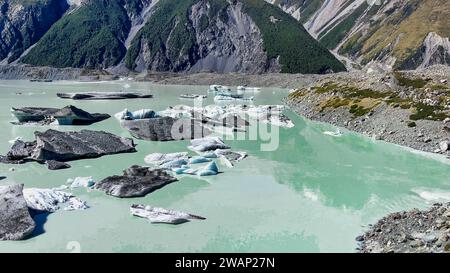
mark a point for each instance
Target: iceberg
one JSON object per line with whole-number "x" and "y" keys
{"x": 159, "y": 158}
{"x": 48, "y": 200}
{"x": 76, "y": 204}
{"x": 81, "y": 182}
{"x": 208, "y": 170}
{"x": 161, "y": 215}
{"x": 174, "y": 164}
{"x": 198, "y": 160}
{"x": 139, "y": 114}
{"x": 207, "y": 144}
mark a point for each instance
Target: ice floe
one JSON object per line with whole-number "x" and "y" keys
{"x": 161, "y": 215}
{"x": 49, "y": 200}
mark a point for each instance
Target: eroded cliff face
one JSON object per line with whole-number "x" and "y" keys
{"x": 239, "y": 49}
{"x": 23, "y": 23}
{"x": 218, "y": 38}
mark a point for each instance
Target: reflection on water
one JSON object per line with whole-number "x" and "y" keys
{"x": 314, "y": 193}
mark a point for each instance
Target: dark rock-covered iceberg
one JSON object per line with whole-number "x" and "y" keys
{"x": 104, "y": 96}
{"x": 15, "y": 219}
{"x": 55, "y": 147}
{"x": 136, "y": 181}
{"x": 69, "y": 115}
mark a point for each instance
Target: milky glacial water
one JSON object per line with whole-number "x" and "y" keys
{"x": 315, "y": 193}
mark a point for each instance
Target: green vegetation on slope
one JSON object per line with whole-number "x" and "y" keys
{"x": 287, "y": 39}
{"x": 89, "y": 37}
{"x": 170, "y": 18}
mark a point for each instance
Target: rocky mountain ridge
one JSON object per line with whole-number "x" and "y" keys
{"x": 398, "y": 34}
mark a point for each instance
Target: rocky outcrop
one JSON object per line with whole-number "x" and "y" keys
{"x": 389, "y": 32}
{"x": 15, "y": 220}
{"x": 23, "y": 23}
{"x": 410, "y": 232}
{"x": 136, "y": 181}
{"x": 238, "y": 48}
{"x": 53, "y": 145}
{"x": 435, "y": 50}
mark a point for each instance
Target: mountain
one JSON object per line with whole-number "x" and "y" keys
{"x": 248, "y": 36}
{"x": 403, "y": 34}
{"x": 24, "y": 22}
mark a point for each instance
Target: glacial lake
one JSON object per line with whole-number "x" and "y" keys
{"x": 315, "y": 193}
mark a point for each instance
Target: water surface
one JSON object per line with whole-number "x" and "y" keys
{"x": 315, "y": 193}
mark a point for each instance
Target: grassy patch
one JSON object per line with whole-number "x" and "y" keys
{"x": 407, "y": 82}
{"x": 428, "y": 112}
{"x": 412, "y": 124}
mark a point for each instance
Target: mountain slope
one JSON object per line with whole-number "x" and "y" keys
{"x": 246, "y": 36}
{"x": 24, "y": 22}
{"x": 404, "y": 34}
{"x": 91, "y": 36}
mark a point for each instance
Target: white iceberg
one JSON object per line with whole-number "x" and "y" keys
{"x": 207, "y": 144}
{"x": 139, "y": 114}
{"x": 48, "y": 200}
{"x": 159, "y": 158}
{"x": 81, "y": 182}
{"x": 75, "y": 203}
{"x": 161, "y": 215}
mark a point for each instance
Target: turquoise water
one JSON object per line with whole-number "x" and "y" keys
{"x": 315, "y": 193}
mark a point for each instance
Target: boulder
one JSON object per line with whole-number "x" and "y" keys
{"x": 161, "y": 215}
{"x": 444, "y": 145}
{"x": 103, "y": 96}
{"x": 165, "y": 129}
{"x": 136, "y": 181}
{"x": 15, "y": 219}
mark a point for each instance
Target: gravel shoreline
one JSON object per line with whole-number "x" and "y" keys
{"x": 378, "y": 117}
{"x": 410, "y": 232}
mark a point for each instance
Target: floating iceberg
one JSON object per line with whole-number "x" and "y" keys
{"x": 177, "y": 163}
{"x": 81, "y": 182}
{"x": 229, "y": 157}
{"x": 48, "y": 200}
{"x": 159, "y": 158}
{"x": 139, "y": 114}
{"x": 76, "y": 204}
{"x": 207, "y": 144}
{"x": 208, "y": 170}
{"x": 218, "y": 115}
{"x": 161, "y": 215}
{"x": 198, "y": 160}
